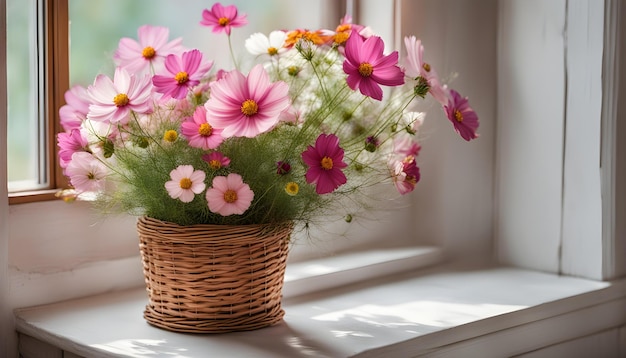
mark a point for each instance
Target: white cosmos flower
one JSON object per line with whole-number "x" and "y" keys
{"x": 259, "y": 44}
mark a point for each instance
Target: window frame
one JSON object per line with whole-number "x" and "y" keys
{"x": 55, "y": 83}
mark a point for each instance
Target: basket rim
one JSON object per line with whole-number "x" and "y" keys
{"x": 151, "y": 220}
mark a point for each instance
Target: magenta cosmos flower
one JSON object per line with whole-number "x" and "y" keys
{"x": 181, "y": 74}
{"x": 222, "y": 18}
{"x": 461, "y": 115}
{"x": 149, "y": 52}
{"x": 113, "y": 101}
{"x": 70, "y": 143}
{"x": 199, "y": 133}
{"x": 185, "y": 183}
{"x": 229, "y": 195}
{"x": 74, "y": 112}
{"x": 417, "y": 69}
{"x": 216, "y": 160}
{"x": 86, "y": 173}
{"x": 247, "y": 106}
{"x": 367, "y": 68}
{"x": 325, "y": 161}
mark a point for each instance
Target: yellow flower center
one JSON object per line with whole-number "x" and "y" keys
{"x": 365, "y": 69}
{"x": 426, "y": 67}
{"x": 215, "y": 164}
{"x": 170, "y": 135}
{"x": 458, "y": 115}
{"x": 205, "y": 129}
{"x": 327, "y": 163}
{"x": 148, "y": 52}
{"x": 230, "y": 196}
{"x": 185, "y": 183}
{"x": 272, "y": 51}
{"x": 249, "y": 107}
{"x": 292, "y": 188}
{"x": 341, "y": 37}
{"x": 121, "y": 100}
{"x": 181, "y": 77}
{"x": 343, "y": 28}
{"x": 223, "y": 21}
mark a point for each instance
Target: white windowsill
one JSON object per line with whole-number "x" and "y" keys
{"x": 439, "y": 311}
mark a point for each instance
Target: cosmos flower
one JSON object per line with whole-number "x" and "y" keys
{"x": 86, "y": 172}
{"x": 259, "y": 44}
{"x": 247, "y": 106}
{"x": 229, "y": 195}
{"x": 462, "y": 116}
{"x": 182, "y": 73}
{"x": 427, "y": 79}
{"x": 405, "y": 174}
{"x": 367, "y": 68}
{"x": 222, "y": 18}
{"x": 75, "y": 111}
{"x": 216, "y": 160}
{"x": 185, "y": 183}
{"x": 113, "y": 100}
{"x": 199, "y": 133}
{"x": 325, "y": 161}
{"x": 149, "y": 52}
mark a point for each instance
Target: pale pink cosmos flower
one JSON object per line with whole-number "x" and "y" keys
{"x": 325, "y": 161}
{"x": 405, "y": 145}
{"x": 70, "y": 143}
{"x": 216, "y": 160}
{"x": 247, "y": 106}
{"x": 462, "y": 116}
{"x": 199, "y": 133}
{"x": 149, "y": 52}
{"x": 416, "y": 68}
{"x": 181, "y": 74}
{"x": 74, "y": 112}
{"x": 86, "y": 172}
{"x": 185, "y": 183}
{"x": 114, "y": 100}
{"x": 405, "y": 174}
{"x": 229, "y": 195}
{"x": 367, "y": 68}
{"x": 222, "y": 18}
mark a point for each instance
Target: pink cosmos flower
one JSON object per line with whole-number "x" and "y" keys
{"x": 416, "y": 68}
{"x": 74, "y": 112}
{"x": 114, "y": 100}
{"x": 229, "y": 195}
{"x": 216, "y": 160}
{"x": 246, "y": 107}
{"x": 222, "y": 18}
{"x": 185, "y": 183}
{"x": 199, "y": 132}
{"x": 70, "y": 143}
{"x": 404, "y": 145}
{"x": 462, "y": 116}
{"x": 405, "y": 174}
{"x": 182, "y": 74}
{"x": 325, "y": 161}
{"x": 86, "y": 173}
{"x": 367, "y": 67}
{"x": 149, "y": 52}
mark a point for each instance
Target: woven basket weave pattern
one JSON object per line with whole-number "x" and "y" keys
{"x": 213, "y": 278}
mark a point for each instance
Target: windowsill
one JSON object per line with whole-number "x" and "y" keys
{"x": 436, "y": 310}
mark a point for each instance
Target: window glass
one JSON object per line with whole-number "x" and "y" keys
{"x": 26, "y": 132}
{"x": 97, "y": 26}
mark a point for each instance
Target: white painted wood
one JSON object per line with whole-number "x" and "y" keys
{"x": 581, "y": 253}
{"x": 406, "y": 316}
{"x": 603, "y": 344}
{"x": 529, "y": 150}
{"x": 614, "y": 147}
{"x": 30, "y": 347}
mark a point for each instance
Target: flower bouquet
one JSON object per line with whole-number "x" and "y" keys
{"x": 307, "y": 131}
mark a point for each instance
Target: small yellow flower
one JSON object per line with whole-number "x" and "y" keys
{"x": 292, "y": 188}
{"x": 170, "y": 136}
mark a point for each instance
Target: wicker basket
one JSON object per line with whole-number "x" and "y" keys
{"x": 213, "y": 278}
